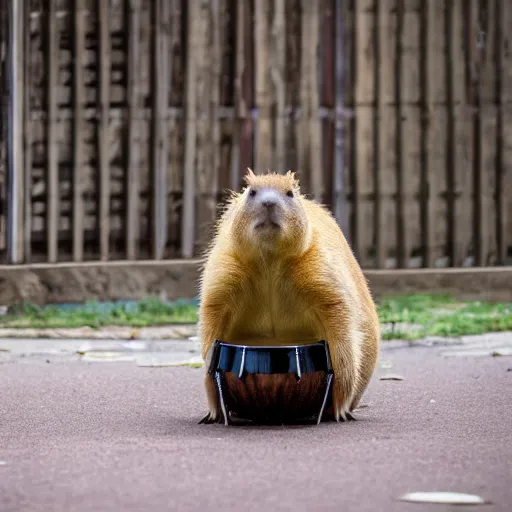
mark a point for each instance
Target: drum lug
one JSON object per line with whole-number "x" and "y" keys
{"x": 327, "y": 389}
{"x": 242, "y": 364}
{"x": 330, "y": 376}
{"x": 298, "y": 375}
{"x": 218, "y": 380}
{"x": 214, "y": 361}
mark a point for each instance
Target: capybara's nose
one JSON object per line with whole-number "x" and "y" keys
{"x": 269, "y": 203}
{"x": 269, "y": 199}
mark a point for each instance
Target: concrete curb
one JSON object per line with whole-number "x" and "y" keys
{"x": 171, "y": 332}
{"x": 166, "y": 332}
{"x": 163, "y": 333}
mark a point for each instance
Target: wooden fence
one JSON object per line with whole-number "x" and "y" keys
{"x": 134, "y": 117}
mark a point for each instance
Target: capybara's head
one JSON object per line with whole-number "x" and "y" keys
{"x": 269, "y": 215}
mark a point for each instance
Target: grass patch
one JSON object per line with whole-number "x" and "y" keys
{"x": 442, "y": 316}
{"x": 410, "y": 316}
{"x": 149, "y": 312}
{"x": 192, "y": 365}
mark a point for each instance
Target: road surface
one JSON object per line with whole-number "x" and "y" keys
{"x": 112, "y": 436}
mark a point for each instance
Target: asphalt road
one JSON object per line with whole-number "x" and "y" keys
{"x": 111, "y": 436}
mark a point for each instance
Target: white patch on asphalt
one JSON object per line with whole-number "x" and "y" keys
{"x": 454, "y": 498}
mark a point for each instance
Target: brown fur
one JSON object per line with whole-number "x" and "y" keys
{"x": 295, "y": 285}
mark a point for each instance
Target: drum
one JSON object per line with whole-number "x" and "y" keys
{"x": 272, "y": 384}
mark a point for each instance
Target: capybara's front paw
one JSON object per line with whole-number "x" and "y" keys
{"x": 215, "y": 414}
{"x": 341, "y": 401}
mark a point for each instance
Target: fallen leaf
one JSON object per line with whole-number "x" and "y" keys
{"x": 443, "y": 497}
{"x": 392, "y": 377}
{"x": 108, "y": 356}
{"x": 104, "y": 355}
{"x": 134, "y": 334}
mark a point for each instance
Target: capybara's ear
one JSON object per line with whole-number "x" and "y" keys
{"x": 249, "y": 176}
{"x": 294, "y": 180}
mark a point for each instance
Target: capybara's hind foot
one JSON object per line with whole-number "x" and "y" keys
{"x": 329, "y": 416}
{"x": 209, "y": 419}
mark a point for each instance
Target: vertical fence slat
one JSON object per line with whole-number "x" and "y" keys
{"x": 176, "y": 125}
{"x": 4, "y": 20}
{"x": 243, "y": 150}
{"x": 208, "y": 148}
{"x": 53, "y": 205}
{"x": 472, "y": 9}
{"x": 189, "y": 180}
{"x": 486, "y": 182}
{"x": 315, "y": 124}
{"x": 327, "y": 96}
{"x": 342, "y": 55}
{"x": 263, "y": 150}
{"x": 28, "y": 136}
{"x": 409, "y": 136}
{"x": 226, "y": 36}
{"x": 277, "y": 70}
{"x": 301, "y": 127}
{"x": 78, "y": 169}
{"x": 240, "y": 107}
{"x": 309, "y": 125}
{"x": 386, "y": 234}
{"x": 505, "y": 185}
{"x": 213, "y": 131}
{"x": 16, "y": 194}
{"x": 246, "y": 96}
{"x": 365, "y": 129}
{"x": 133, "y": 203}
{"x": 461, "y": 232}
{"x": 103, "y": 141}
{"x": 160, "y": 145}
{"x": 436, "y": 136}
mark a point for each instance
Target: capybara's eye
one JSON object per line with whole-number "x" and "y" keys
{"x": 252, "y": 192}
{"x": 289, "y": 193}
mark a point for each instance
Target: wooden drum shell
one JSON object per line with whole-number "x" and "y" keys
{"x": 275, "y": 398}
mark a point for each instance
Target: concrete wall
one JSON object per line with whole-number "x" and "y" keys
{"x": 43, "y": 284}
